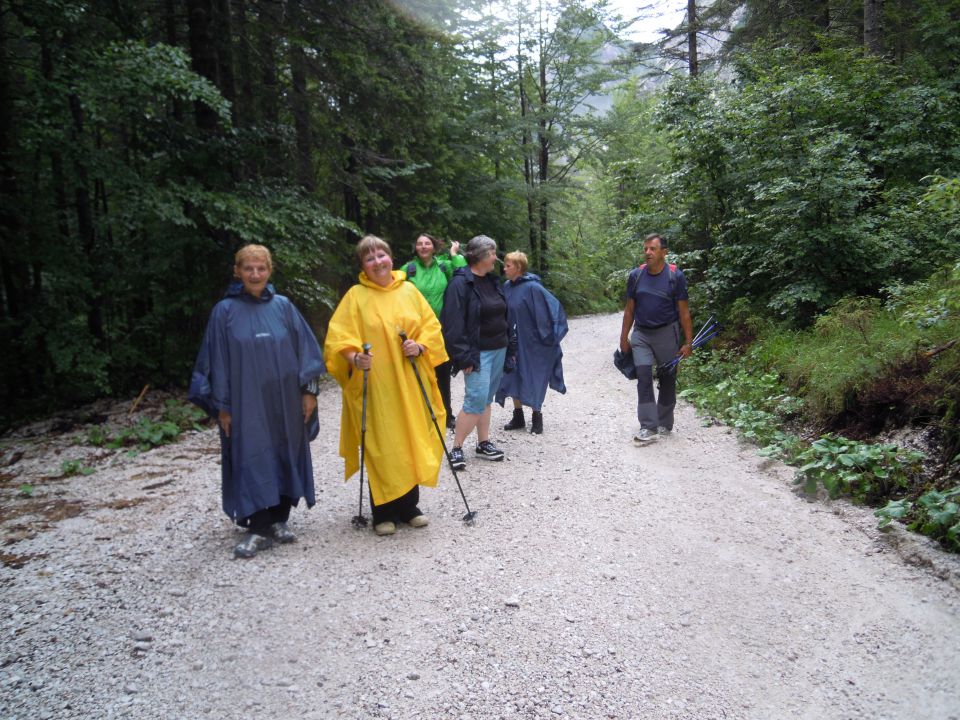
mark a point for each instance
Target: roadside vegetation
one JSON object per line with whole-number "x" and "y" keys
{"x": 823, "y": 399}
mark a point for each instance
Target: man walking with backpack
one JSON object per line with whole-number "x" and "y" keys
{"x": 657, "y": 309}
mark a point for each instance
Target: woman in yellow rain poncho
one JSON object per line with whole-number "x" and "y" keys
{"x": 402, "y": 451}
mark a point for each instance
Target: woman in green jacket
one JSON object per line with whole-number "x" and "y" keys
{"x": 430, "y": 271}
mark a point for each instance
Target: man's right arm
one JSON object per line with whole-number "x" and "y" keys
{"x": 626, "y": 325}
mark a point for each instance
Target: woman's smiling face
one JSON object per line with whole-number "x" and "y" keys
{"x": 378, "y": 266}
{"x": 253, "y": 272}
{"x": 424, "y": 248}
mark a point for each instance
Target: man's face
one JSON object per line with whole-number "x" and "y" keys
{"x": 653, "y": 253}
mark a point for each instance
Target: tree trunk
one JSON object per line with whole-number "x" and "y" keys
{"x": 543, "y": 166}
{"x": 268, "y": 28}
{"x": 203, "y": 53}
{"x": 692, "y": 65}
{"x": 352, "y": 208}
{"x": 85, "y": 221}
{"x": 11, "y": 225}
{"x": 245, "y": 102}
{"x": 873, "y": 27}
{"x": 525, "y": 143}
{"x": 300, "y": 106}
{"x": 57, "y": 175}
{"x": 223, "y": 34}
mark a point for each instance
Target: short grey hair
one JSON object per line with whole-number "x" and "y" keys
{"x": 478, "y": 248}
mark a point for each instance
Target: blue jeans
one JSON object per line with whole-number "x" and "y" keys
{"x": 482, "y": 384}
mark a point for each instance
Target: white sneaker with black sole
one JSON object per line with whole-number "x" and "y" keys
{"x": 488, "y": 451}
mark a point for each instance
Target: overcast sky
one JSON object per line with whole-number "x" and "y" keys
{"x": 655, "y": 15}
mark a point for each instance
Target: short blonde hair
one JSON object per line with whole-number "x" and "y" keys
{"x": 253, "y": 251}
{"x": 518, "y": 257}
{"x": 368, "y": 244}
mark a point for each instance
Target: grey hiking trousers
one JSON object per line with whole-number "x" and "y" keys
{"x": 652, "y": 347}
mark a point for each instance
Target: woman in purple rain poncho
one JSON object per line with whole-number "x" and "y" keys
{"x": 257, "y": 373}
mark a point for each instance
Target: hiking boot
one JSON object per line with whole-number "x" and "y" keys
{"x": 418, "y": 521}
{"x": 457, "y": 460}
{"x": 664, "y": 431}
{"x": 281, "y": 533}
{"x": 251, "y": 544}
{"x": 387, "y": 527}
{"x": 645, "y": 437}
{"x": 517, "y": 423}
{"x": 488, "y": 451}
{"x": 536, "y": 423}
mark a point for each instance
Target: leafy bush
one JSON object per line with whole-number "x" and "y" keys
{"x": 146, "y": 433}
{"x": 862, "y": 471}
{"x": 69, "y": 468}
{"x": 935, "y": 514}
{"x": 186, "y": 416}
{"x": 735, "y": 391}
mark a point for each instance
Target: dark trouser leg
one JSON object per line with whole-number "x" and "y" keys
{"x": 261, "y": 520}
{"x": 399, "y": 510}
{"x": 666, "y": 397}
{"x": 443, "y": 382}
{"x": 646, "y": 402}
{"x": 281, "y": 512}
{"x": 654, "y": 347}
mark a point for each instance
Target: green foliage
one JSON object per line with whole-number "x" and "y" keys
{"x": 935, "y": 514}
{"x": 186, "y": 416}
{"x": 943, "y": 194}
{"x": 793, "y": 187}
{"x": 863, "y": 471}
{"x": 69, "y": 468}
{"x": 26, "y": 490}
{"x": 146, "y": 433}
{"x": 849, "y": 347}
{"x": 732, "y": 389}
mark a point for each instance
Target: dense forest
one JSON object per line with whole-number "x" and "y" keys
{"x": 803, "y": 157}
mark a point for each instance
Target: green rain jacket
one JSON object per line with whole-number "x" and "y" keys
{"x": 432, "y": 281}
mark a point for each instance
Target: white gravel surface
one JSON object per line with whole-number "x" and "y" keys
{"x": 681, "y": 580}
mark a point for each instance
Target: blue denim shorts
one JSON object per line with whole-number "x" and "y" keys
{"x": 482, "y": 384}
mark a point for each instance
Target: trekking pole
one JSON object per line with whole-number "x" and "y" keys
{"x": 712, "y": 330}
{"x": 359, "y": 520}
{"x": 711, "y": 319}
{"x": 700, "y": 340}
{"x": 471, "y": 515}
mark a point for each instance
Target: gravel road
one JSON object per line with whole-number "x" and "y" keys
{"x": 681, "y": 580}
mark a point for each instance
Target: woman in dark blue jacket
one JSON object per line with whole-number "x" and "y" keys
{"x": 474, "y": 320}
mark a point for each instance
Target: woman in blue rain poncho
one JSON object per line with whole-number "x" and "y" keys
{"x": 540, "y": 324}
{"x": 257, "y": 373}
